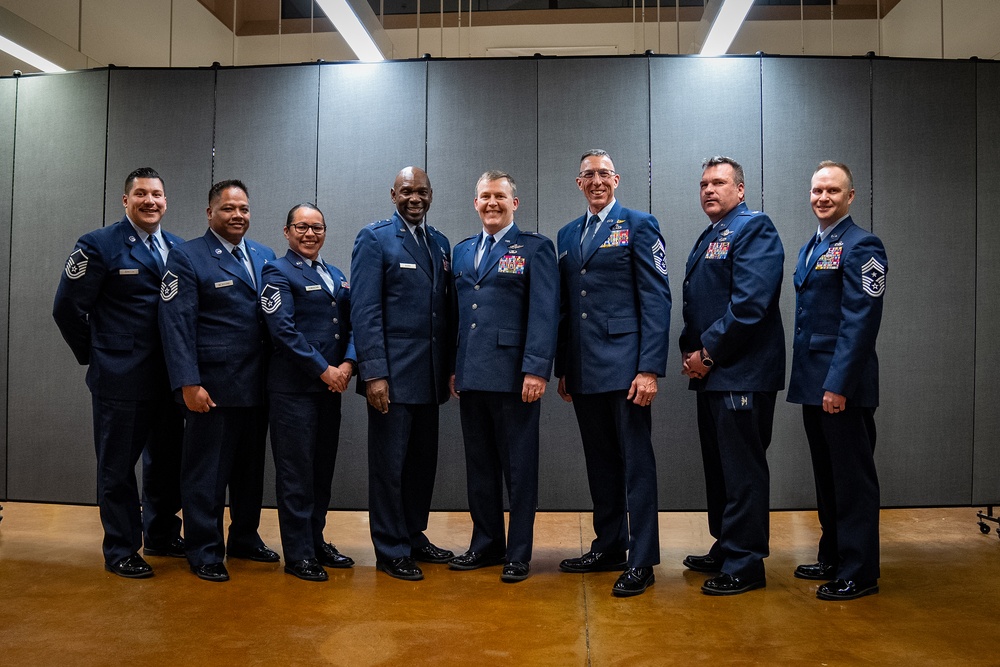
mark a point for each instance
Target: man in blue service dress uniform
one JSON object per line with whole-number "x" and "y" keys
{"x": 507, "y": 285}
{"x": 839, "y": 283}
{"x": 733, "y": 348}
{"x": 401, "y": 308}
{"x": 613, "y": 338}
{"x": 106, "y": 309}
{"x": 307, "y": 307}
{"x": 214, "y": 343}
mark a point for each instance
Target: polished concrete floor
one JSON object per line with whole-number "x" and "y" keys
{"x": 939, "y": 605}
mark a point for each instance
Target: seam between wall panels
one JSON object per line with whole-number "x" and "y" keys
{"x": 10, "y": 268}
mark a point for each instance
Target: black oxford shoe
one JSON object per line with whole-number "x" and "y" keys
{"x": 328, "y": 556}
{"x": 130, "y": 567}
{"x": 401, "y": 568}
{"x": 842, "y": 589}
{"x": 815, "y": 572}
{"x": 173, "y": 549}
{"x": 633, "y": 581}
{"x": 431, "y": 554}
{"x": 211, "y": 572}
{"x": 514, "y": 572}
{"x": 259, "y": 554}
{"x": 704, "y": 563}
{"x": 308, "y": 569}
{"x": 595, "y": 561}
{"x": 473, "y": 560}
{"x": 727, "y": 584}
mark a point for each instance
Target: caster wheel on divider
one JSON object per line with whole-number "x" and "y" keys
{"x": 983, "y": 528}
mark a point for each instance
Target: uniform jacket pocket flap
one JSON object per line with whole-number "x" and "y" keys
{"x": 823, "y": 342}
{"x": 623, "y": 325}
{"x": 510, "y": 337}
{"x": 110, "y": 341}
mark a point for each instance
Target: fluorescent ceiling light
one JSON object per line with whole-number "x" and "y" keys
{"x": 350, "y": 27}
{"x": 30, "y": 57}
{"x": 727, "y": 23}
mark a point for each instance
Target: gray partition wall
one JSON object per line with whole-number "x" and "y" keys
{"x": 8, "y": 98}
{"x": 58, "y": 194}
{"x": 986, "y": 459}
{"x": 919, "y": 135}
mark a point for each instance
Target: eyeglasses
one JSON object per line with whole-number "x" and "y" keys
{"x": 603, "y": 174}
{"x": 302, "y": 228}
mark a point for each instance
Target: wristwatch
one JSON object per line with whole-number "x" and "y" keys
{"x": 705, "y": 359}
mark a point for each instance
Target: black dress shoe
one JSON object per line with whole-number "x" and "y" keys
{"x": 431, "y": 554}
{"x": 704, "y": 563}
{"x": 633, "y": 581}
{"x": 259, "y": 554}
{"x": 473, "y": 560}
{"x": 328, "y": 556}
{"x": 595, "y": 561}
{"x": 514, "y": 572}
{"x": 401, "y": 568}
{"x": 727, "y": 584}
{"x": 308, "y": 569}
{"x": 842, "y": 589}
{"x": 174, "y": 549}
{"x": 211, "y": 572}
{"x": 816, "y": 572}
{"x": 131, "y": 567}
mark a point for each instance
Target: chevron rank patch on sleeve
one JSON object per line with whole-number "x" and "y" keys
{"x": 76, "y": 265}
{"x": 270, "y": 299}
{"x": 873, "y": 278}
{"x": 169, "y": 286}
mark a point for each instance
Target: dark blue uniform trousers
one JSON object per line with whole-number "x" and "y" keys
{"x": 621, "y": 470}
{"x": 305, "y": 432}
{"x": 737, "y": 481}
{"x": 224, "y": 446}
{"x": 501, "y": 444}
{"x": 842, "y": 446}
{"x": 124, "y": 431}
{"x": 402, "y": 465}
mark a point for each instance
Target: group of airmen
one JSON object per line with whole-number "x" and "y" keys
{"x": 196, "y": 348}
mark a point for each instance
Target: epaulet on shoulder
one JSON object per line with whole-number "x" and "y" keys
{"x": 530, "y": 233}
{"x": 381, "y": 223}
{"x": 469, "y": 238}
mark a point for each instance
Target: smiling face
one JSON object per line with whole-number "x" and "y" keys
{"x": 496, "y": 203}
{"x": 412, "y": 194}
{"x": 719, "y": 192}
{"x": 831, "y": 195}
{"x": 145, "y": 203}
{"x": 599, "y": 190}
{"x": 309, "y": 242}
{"x": 229, "y": 214}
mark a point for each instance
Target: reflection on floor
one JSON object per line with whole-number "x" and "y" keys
{"x": 939, "y": 603}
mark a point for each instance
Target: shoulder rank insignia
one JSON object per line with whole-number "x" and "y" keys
{"x": 76, "y": 264}
{"x": 873, "y": 278}
{"x": 270, "y": 299}
{"x": 169, "y": 286}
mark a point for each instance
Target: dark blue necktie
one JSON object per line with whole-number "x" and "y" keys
{"x": 241, "y": 258}
{"x": 812, "y": 246}
{"x": 589, "y": 230}
{"x": 154, "y": 247}
{"x": 486, "y": 253}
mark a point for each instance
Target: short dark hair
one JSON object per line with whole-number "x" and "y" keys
{"x": 839, "y": 165}
{"x": 595, "y": 152}
{"x": 141, "y": 172}
{"x": 217, "y": 189}
{"x": 497, "y": 175}
{"x": 716, "y": 160}
{"x": 305, "y": 204}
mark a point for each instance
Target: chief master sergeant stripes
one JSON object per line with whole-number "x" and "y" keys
{"x": 106, "y": 309}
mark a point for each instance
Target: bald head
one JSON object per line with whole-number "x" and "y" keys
{"x": 411, "y": 193}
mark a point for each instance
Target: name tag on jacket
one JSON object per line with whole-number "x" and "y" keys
{"x": 313, "y": 288}
{"x": 224, "y": 283}
{"x": 128, "y": 272}
{"x": 404, "y": 265}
